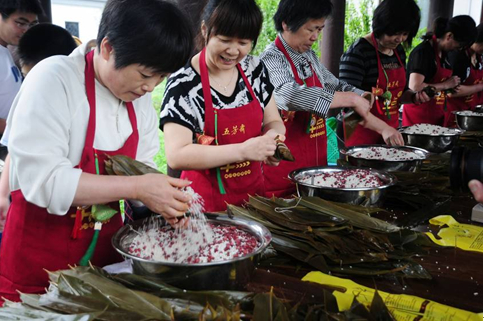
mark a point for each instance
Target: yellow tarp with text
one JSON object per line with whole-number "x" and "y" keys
{"x": 403, "y": 307}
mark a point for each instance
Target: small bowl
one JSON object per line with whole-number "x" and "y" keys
{"x": 362, "y": 195}
{"x": 478, "y": 109}
{"x": 433, "y": 143}
{"x": 226, "y": 275}
{"x": 386, "y": 165}
{"x": 468, "y": 122}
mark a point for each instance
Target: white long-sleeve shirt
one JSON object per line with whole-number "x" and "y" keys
{"x": 48, "y": 124}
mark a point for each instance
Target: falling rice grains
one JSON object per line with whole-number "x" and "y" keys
{"x": 198, "y": 242}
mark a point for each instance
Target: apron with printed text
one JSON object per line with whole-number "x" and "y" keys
{"x": 431, "y": 112}
{"x": 468, "y": 102}
{"x": 231, "y": 183}
{"x": 305, "y": 138}
{"x": 35, "y": 240}
{"x": 395, "y": 84}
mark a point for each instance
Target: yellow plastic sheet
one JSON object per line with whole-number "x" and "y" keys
{"x": 403, "y": 307}
{"x": 464, "y": 236}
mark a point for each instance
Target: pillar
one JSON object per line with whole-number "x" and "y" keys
{"x": 439, "y": 8}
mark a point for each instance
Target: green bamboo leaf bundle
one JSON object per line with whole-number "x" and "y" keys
{"x": 126, "y": 166}
{"x": 339, "y": 239}
{"x": 89, "y": 293}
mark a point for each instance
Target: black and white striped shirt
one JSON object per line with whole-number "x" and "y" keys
{"x": 288, "y": 93}
{"x": 359, "y": 64}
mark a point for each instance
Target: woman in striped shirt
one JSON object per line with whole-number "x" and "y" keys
{"x": 376, "y": 63}
{"x": 305, "y": 90}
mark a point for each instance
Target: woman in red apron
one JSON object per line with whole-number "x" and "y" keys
{"x": 468, "y": 64}
{"x": 53, "y": 126}
{"x": 307, "y": 139}
{"x": 236, "y": 121}
{"x": 428, "y": 66}
{"x": 376, "y": 63}
{"x": 305, "y": 90}
{"x": 386, "y": 109}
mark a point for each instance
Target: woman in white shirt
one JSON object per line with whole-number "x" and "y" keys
{"x": 70, "y": 113}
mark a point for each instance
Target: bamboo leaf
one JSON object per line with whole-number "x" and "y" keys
{"x": 355, "y": 218}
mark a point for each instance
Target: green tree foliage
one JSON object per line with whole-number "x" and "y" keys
{"x": 268, "y": 33}
{"x": 358, "y": 20}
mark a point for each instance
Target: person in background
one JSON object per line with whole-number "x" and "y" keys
{"x": 428, "y": 66}
{"x": 16, "y": 17}
{"x": 94, "y": 104}
{"x": 218, "y": 115}
{"x": 376, "y": 63}
{"x": 467, "y": 64}
{"x": 305, "y": 90}
{"x": 39, "y": 42}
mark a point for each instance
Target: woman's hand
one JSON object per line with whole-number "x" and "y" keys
{"x": 260, "y": 148}
{"x": 420, "y": 97}
{"x": 369, "y": 96}
{"x": 162, "y": 195}
{"x": 362, "y": 104}
{"x": 392, "y": 137}
{"x": 450, "y": 83}
{"x": 272, "y": 160}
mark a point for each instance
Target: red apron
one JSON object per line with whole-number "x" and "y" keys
{"x": 305, "y": 138}
{"x": 230, "y": 183}
{"x": 431, "y": 112}
{"x": 35, "y": 240}
{"x": 396, "y": 84}
{"x": 468, "y": 102}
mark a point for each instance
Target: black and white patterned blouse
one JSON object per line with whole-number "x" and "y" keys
{"x": 290, "y": 95}
{"x": 183, "y": 101}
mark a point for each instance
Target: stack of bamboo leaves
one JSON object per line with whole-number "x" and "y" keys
{"x": 89, "y": 293}
{"x": 337, "y": 238}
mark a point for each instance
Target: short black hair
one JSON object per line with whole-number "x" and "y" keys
{"x": 152, "y": 33}
{"x": 295, "y": 13}
{"x": 462, "y": 27}
{"x": 42, "y": 41}
{"x": 7, "y": 7}
{"x": 232, "y": 18}
{"x": 393, "y": 16}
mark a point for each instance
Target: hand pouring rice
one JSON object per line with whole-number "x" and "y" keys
{"x": 199, "y": 242}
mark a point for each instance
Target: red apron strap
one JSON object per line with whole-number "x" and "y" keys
{"x": 207, "y": 96}
{"x": 436, "y": 50}
{"x": 280, "y": 46}
{"x": 91, "y": 98}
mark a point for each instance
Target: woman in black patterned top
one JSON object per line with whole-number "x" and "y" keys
{"x": 376, "y": 63}
{"x": 219, "y": 117}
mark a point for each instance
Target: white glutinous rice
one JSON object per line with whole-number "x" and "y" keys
{"x": 387, "y": 154}
{"x": 428, "y": 129}
{"x": 350, "y": 178}
{"x": 198, "y": 242}
{"x": 469, "y": 113}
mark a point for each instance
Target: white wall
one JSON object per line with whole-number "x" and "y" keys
{"x": 86, "y": 12}
{"x": 469, "y": 7}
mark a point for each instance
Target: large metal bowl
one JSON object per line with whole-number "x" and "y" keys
{"x": 433, "y": 143}
{"x": 386, "y": 165}
{"x": 364, "y": 195}
{"x": 226, "y": 275}
{"x": 468, "y": 122}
